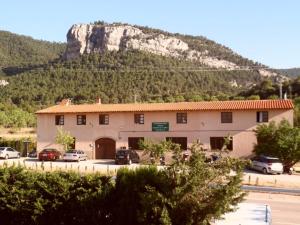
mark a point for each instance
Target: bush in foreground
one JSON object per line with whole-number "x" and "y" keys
{"x": 191, "y": 192}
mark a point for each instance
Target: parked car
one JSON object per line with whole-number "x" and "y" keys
{"x": 49, "y": 154}
{"x": 32, "y": 154}
{"x": 126, "y": 156}
{"x": 212, "y": 158}
{"x": 74, "y": 155}
{"x": 267, "y": 165}
{"x": 8, "y": 152}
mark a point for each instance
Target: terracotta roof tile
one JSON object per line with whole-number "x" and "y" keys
{"x": 181, "y": 106}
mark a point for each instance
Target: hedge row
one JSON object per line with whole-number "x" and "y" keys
{"x": 191, "y": 193}
{"x": 28, "y": 197}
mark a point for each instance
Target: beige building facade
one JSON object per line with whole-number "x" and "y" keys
{"x": 100, "y": 129}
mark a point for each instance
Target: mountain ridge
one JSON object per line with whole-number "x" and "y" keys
{"x": 101, "y": 36}
{"x": 291, "y": 72}
{"x": 44, "y": 78}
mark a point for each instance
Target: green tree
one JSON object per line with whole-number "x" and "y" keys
{"x": 297, "y": 112}
{"x": 204, "y": 191}
{"x": 3, "y": 119}
{"x": 279, "y": 140}
{"x": 17, "y": 119}
{"x": 64, "y": 138}
{"x": 254, "y": 97}
{"x": 186, "y": 192}
{"x": 273, "y": 97}
{"x": 156, "y": 150}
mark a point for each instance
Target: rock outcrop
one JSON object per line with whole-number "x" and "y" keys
{"x": 87, "y": 38}
{"x": 90, "y": 38}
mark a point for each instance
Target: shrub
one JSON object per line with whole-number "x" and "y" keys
{"x": 189, "y": 192}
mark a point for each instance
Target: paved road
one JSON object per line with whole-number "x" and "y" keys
{"x": 285, "y": 208}
{"x": 274, "y": 190}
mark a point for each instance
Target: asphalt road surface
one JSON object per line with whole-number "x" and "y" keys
{"x": 272, "y": 190}
{"x": 285, "y": 208}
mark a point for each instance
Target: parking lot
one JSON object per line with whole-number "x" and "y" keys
{"x": 89, "y": 166}
{"x": 109, "y": 167}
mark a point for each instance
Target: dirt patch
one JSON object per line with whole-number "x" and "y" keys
{"x": 12, "y": 133}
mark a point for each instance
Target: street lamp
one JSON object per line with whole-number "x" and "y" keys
{"x": 26, "y": 142}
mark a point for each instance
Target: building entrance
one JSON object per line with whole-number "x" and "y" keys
{"x": 105, "y": 148}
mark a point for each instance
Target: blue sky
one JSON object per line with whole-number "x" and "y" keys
{"x": 267, "y": 31}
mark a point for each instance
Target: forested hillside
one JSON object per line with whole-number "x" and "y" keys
{"x": 119, "y": 76}
{"x": 17, "y": 51}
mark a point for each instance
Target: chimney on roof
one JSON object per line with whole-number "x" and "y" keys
{"x": 65, "y": 102}
{"x": 98, "y": 100}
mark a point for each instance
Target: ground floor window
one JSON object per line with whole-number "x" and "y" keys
{"x": 182, "y": 141}
{"x": 216, "y": 143}
{"x": 133, "y": 142}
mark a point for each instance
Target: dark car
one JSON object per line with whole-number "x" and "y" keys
{"x": 126, "y": 156}
{"x": 212, "y": 158}
{"x": 32, "y": 154}
{"x": 49, "y": 154}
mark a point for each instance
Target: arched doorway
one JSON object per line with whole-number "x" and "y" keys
{"x": 105, "y": 148}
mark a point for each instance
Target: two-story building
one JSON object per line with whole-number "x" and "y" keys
{"x": 100, "y": 129}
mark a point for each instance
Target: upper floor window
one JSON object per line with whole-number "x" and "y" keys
{"x": 139, "y": 118}
{"x": 81, "y": 119}
{"x": 226, "y": 117}
{"x": 262, "y": 117}
{"x": 181, "y": 117}
{"x": 59, "y": 120}
{"x": 103, "y": 119}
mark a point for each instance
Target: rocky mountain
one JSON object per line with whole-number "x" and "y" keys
{"x": 98, "y": 38}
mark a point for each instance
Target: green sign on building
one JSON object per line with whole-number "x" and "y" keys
{"x": 160, "y": 126}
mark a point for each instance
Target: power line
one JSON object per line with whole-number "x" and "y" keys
{"x": 168, "y": 69}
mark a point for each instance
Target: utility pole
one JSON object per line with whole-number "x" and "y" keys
{"x": 280, "y": 90}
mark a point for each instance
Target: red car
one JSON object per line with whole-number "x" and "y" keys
{"x": 49, "y": 154}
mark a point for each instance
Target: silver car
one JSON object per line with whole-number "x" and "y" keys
{"x": 267, "y": 164}
{"x": 74, "y": 155}
{"x": 8, "y": 152}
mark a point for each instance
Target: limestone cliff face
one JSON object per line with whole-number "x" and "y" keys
{"x": 87, "y": 38}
